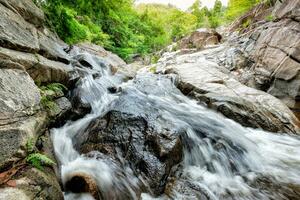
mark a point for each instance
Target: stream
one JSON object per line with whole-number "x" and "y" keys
{"x": 220, "y": 158}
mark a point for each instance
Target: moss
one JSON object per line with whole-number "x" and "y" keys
{"x": 49, "y": 93}
{"x": 39, "y": 160}
{"x": 153, "y": 69}
{"x": 269, "y": 18}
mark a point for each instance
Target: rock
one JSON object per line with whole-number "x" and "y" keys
{"x": 40, "y": 69}
{"x": 52, "y": 47}
{"x": 200, "y": 38}
{"x": 213, "y": 85}
{"x": 19, "y": 96}
{"x": 82, "y": 183}
{"x": 272, "y": 54}
{"x": 33, "y": 184}
{"x": 150, "y": 153}
{"x": 27, "y": 9}
{"x": 114, "y": 62}
{"x": 16, "y": 33}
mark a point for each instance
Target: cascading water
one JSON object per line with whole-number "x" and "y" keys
{"x": 221, "y": 158}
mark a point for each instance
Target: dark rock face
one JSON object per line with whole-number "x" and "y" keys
{"x": 149, "y": 152}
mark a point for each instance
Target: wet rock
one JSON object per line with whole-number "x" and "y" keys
{"x": 213, "y": 85}
{"x": 200, "y": 38}
{"x": 40, "y": 69}
{"x": 82, "y": 183}
{"x": 149, "y": 152}
{"x": 114, "y": 62}
{"x": 16, "y": 33}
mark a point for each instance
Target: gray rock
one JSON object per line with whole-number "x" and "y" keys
{"x": 27, "y": 9}
{"x": 52, "y": 47}
{"x": 16, "y": 33}
{"x": 213, "y": 85}
{"x": 39, "y": 68}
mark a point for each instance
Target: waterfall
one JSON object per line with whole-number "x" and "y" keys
{"x": 221, "y": 158}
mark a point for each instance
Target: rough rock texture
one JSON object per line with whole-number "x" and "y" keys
{"x": 40, "y": 69}
{"x": 16, "y": 33}
{"x": 27, "y": 9}
{"x": 150, "y": 152}
{"x": 32, "y": 183}
{"x": 22, "y": 29}
{"x": 200, "y": 38}
{"x": 270, "y": 54}
{"x": 213, "y": 85}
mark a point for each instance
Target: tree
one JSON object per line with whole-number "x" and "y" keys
{"x": 238, "y": 7}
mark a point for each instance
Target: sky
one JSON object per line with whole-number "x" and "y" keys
{"x": 183, "y": 4}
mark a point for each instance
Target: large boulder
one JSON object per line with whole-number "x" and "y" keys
{"x": 200, "y": 38}
{"x": 213, "y": 85}
{"x": 150, "y": 152}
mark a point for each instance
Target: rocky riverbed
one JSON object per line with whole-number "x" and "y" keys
{"x": 211, "y": 120}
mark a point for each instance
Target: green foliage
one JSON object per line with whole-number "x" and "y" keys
{"x": 269, "y": 18}
{"x": 238, "y": 7}
{"x": 30, "y": 145}
{"x": 49, "y": 93}
{"x": 34, "y": 158}
{"x": 55, "y": 87}
{"x": 39, "y": 160}
{"x": 208, "y": 18}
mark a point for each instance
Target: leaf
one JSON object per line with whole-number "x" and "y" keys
{"x": 11, "y": 183}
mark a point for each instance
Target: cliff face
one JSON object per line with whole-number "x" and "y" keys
{"x": 269, "y": 52}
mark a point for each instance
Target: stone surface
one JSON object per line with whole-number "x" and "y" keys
{"x": 199, "y": 39}
{"x": 270, "y": 54}
{"x": 38, "y": 67}
{"x": 52, "y": 47}
{"x": 150, "y": 152}
{"x": 213, "y": 85}
{"x": 32, "y": 183}
{"x": 16, "y": 33}
{"x": 27, "y": 9}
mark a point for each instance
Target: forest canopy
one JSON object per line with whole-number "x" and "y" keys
{"x": 128, "y": 30}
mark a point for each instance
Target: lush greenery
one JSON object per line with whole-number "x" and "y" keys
{"x": 128, "y": 30}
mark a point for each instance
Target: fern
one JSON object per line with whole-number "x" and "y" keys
{"x": 30, "y": 145}
{"x": 39, "y": 160}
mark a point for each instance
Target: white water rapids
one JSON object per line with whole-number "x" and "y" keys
{"x": 220, "y": 156}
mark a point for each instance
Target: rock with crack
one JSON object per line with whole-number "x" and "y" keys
{"x": 213, "y": 85}
{"x": 270, "y": 54}
{"x": 40, "y": 69}
{"x": 16, "y": 33}
{"x": 151, "y": 153}
{"x": 27, "y": 9}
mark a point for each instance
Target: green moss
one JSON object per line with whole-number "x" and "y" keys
{"x": 39, "y": 160}
{"x": 49, "y": 93}
{"x": 153, "y": 69}
{"x": 269, "y": 18}
{"x": 30, "y": 145}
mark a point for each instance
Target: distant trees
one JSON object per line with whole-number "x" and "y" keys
{"x": 126, "y": 29}
{"x": 238, "y": 7}
{"x": 208, "y": 18}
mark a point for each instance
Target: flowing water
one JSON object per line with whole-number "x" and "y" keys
{"x": 220, "y": 157}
